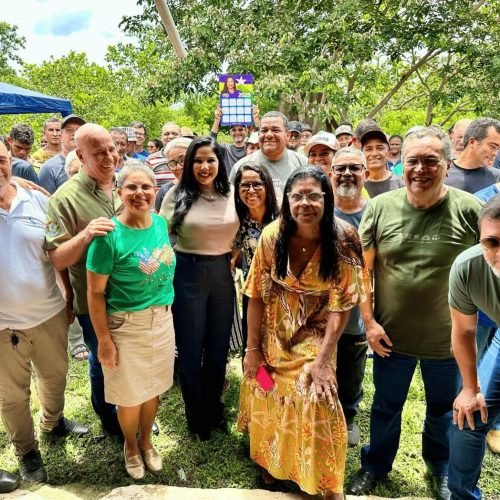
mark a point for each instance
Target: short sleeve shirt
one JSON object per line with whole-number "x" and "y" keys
{"x": 415, "y": 249}
{"x": 140, "y": 264}
{"x": 69, "y": 211}
{"x": 473, "y": 285}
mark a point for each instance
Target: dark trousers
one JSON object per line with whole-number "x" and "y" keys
{"x": 351, "y": 362}
{"x": 105, "y": 411}
{"x": 203, "y": 315}
{"x": 392, "y": 378}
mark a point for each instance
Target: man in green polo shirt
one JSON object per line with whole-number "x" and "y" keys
{"x": 80, "y": 210}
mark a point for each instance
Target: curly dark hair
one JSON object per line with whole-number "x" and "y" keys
{"x": 330, "y": 253}
{"x": 272, "y": 210}
{"x": 188, "y": 189}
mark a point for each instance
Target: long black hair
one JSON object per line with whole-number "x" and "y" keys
{"x": 328, "y": 267}
{"x": 271, "y": 203}
{"x": 188, "y": 189}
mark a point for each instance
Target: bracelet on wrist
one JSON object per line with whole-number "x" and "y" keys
{"x": 248, "y": 349}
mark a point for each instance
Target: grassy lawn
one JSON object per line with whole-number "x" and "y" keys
{"x": 96, "y": 462}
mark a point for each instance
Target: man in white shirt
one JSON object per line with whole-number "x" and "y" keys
{"x": 33, "y": 325}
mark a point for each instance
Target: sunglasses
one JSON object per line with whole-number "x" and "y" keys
{"x": 355, "y": 168}
{"x": 490, "y": 243}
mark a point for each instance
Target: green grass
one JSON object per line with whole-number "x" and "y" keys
{"x": 95, "y": 463}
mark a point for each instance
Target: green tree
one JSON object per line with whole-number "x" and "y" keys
{"x": 10, "y": 43}
{"x": 323, "y": 61}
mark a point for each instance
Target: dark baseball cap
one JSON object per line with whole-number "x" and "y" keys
{"x": 294, "y": 126}
{"x": 72, "y": 119}
{"x": 374, "y": 133}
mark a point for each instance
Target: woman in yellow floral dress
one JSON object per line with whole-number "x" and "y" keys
{"x": 307, "y": 273}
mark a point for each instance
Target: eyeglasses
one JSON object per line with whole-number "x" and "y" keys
{"x": 354, "y": 168}
{"x": 133, "y": 188}
{"x": 312, "y": 197}
{"x": 426, "y": 163}
{"x": 246, "y": 186}
{"x": 490, "y": 243}
{"x": 174, "y": 164}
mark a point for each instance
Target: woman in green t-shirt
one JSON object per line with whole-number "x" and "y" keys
{"x": 130, "y": 275}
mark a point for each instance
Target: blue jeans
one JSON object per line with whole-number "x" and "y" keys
{"x": 467, "y": 446}
{"x": 392, "y": 378}
{"x": 351, "y": 362}
{"x": 105, "y": 411}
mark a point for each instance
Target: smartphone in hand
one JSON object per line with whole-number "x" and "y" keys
{"x": 264, "y": 379}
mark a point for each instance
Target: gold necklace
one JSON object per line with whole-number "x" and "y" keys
{"x": 209, "y": 197}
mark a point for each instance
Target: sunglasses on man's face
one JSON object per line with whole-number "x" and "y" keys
{"x": 490, "y": 243}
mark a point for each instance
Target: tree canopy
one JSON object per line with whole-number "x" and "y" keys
{"x": 324, "y": 62}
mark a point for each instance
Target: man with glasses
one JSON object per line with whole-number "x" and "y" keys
{"x": 348, "y": 178}
{"x": 474, "y": 285}
{"x": 76, "y": 214}
{"x": 140, "y": 135}
{"x": 410, "y": 239}
{"x": 473, "y": 170}
{"x": 52, "y": 173}
{"x": 175, "y": 152}
{"x": 273, "y": 153}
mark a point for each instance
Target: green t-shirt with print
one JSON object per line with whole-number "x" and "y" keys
{"x": 415, "y": 249}
{"x": 140, "y": 264}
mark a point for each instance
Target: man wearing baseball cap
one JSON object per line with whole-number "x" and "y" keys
{"x": 252, "y": 143}
{"x": 238, "y": 132}
{"x": 375, "y": 147}
{"x": 295, "y": 129}
{"x": 320, "y": 150}
{"x": 52, "y": 173}
{"x": 344, "y": 134}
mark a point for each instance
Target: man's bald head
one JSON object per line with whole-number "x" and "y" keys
{"x": 89, "y": 131}
{"x": 97, "y": 151}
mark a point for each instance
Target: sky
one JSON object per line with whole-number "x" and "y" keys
{"x": 54, "y": 27}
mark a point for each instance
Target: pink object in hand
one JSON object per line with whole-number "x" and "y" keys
{"x": 264, "y": 379}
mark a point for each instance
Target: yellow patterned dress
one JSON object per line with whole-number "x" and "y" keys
{"x": 294, "y": 435}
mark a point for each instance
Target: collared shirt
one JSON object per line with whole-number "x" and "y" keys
{"x": 70, "y": 210}
{"x": 29, "y": 295}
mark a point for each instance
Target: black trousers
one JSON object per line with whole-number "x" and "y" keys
{"x": 203, "y": 315}
{"x": 351, "y": 362}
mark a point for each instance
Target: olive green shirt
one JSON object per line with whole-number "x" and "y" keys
{"x": 70, "y": 209}
{"x": 415, "y": 249}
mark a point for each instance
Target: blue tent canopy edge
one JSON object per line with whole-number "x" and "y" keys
{"x": 16, "y": 100}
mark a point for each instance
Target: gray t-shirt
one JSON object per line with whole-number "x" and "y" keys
{"x": 471, "y": 180}
{"x": 375, "y": 188}
{"x": 355, "y": 325}
{"x": 473, "y": 285}
{"x": 52, "y": 173}
{"x": 279, "y": 170}
{"x": 231, "y": 153}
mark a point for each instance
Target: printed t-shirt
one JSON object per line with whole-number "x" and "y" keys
{"x": 140, "y": 264}
{"x": 415, "y": 249}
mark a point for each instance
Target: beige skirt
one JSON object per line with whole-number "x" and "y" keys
{"x": 145, "y": 342}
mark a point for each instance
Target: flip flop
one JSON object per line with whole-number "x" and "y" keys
{"x": 80, "y": 352}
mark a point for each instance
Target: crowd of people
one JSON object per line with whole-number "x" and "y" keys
{"x": 349, "y": 241}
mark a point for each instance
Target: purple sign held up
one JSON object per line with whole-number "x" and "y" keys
{"x": 236, "y": 99}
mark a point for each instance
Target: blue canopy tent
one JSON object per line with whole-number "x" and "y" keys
{"x": 16, "y": 100}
